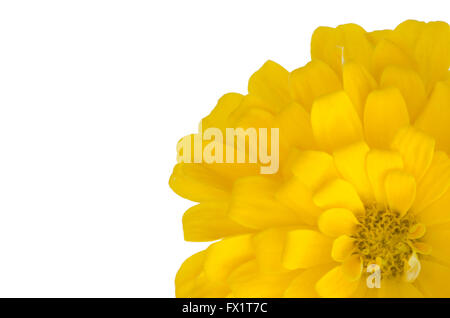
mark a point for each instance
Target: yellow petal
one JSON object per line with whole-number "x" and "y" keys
{"x": 269, "y": 247}
{"x": 417, "y": 231}
{"x": 313, "y": 168}
{"x": 337, "y": 221}
{"x": 386, "y": 54}
{"x": 434, "y": 279}
{"x": 352, "y": 267}
{"x": 204, "y": 288}
{"x": 438, "y": 212}
{"x": 218, "y": 117}
{"x": 377, "y": 36}
{"x": 356, "y": 47}
{"x": 335, "y": 122}
{"x": 336, "y": 284}
{"x": 191, "y": 280}
{"x": 351, "y": 164}
{"x": 397, "y": 289}
{"x": 358, "y": 83}
{"x": 224, "y": 256}
{"x": 421, "y": 248}
{"x": 406, "y": 34}
{"x": 435, "y": 119}
{"x": 339, "y": 193}
{"x": 306, "y": 248}
{"x": 378, "y": 164}
{"x": 299, "y": 198}
{"x": 189, "y": 270}
{"x": 270, "y": 84}
{"x": 326, "y": 45}
{"x": 400, "y": 189}
{"x": 253, "y": 204}
{"x": 346, "y": 43}
{"x": 247, "y": 282}
{"x": 384, "y": 115}
{"x": 209, "y": 221}
{"x": 253, "y": 117}
{"x": 437, "y": 239}
{"x": 432, "y": 51}
{"x": 409, "y": 84}
{"x": 312, "y": 81}
{"x": 364, "y": 292}
{"x": 416, "y": 148}
{"x": 435, "y": 182}
{"x": 197, "y": 183}
{"x": 303, "y": 286}
{"x": 295, "y": 127}
{"x": 291, "y": 158}
{"x": 342, "y": 248}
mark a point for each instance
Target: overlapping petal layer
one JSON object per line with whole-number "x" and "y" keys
{"x": 364, "y": 132}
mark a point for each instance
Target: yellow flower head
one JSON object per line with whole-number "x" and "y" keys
{"x": 360, "y": 204}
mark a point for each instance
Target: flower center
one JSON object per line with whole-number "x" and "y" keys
{"x": 382, "y": 239}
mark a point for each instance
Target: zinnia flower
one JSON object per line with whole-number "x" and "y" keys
{"x": 364, "y": 176}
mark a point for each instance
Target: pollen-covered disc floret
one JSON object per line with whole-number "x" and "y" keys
{"x": 382, "y": 239}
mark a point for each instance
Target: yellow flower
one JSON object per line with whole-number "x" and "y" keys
{"x": 361, "y": 199}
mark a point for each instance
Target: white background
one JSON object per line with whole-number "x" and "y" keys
{"x": 94, "y": 96}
